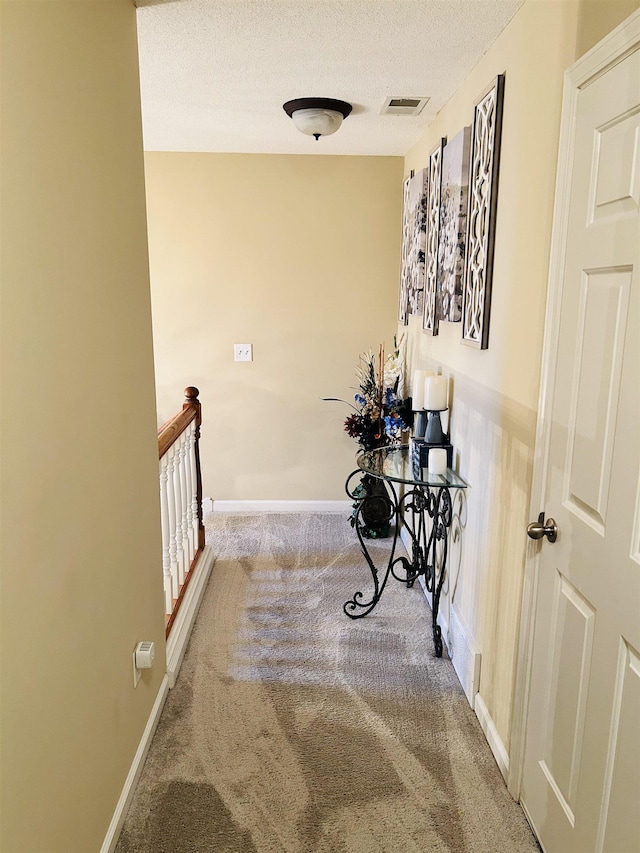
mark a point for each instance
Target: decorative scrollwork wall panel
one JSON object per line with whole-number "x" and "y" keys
{"x": 430, "y": 319}
{"x": 483, "y": 197}
{"x": 414, "y": 238}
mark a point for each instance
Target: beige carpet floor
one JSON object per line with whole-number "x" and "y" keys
{"x": 293, "y": 729}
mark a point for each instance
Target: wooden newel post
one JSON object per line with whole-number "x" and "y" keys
{"x": 191, "y": 397}
{"x": 191, "y": 401}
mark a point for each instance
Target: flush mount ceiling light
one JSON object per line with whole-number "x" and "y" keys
{"x": 317, "y": 116}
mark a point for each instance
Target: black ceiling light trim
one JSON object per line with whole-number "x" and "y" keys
{"x": 317, "y": 104}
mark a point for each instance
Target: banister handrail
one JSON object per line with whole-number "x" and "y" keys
{"x": 175, "y": 426}
{"x": 181, "y": 500}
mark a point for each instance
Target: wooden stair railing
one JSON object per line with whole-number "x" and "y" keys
{"x": 180, "y": 501}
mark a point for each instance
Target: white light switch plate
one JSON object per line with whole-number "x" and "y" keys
{"x": 243, "y": 352}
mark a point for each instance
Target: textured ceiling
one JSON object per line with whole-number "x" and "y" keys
{"x": 215, "y": 73}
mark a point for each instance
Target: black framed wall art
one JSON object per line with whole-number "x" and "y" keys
{"x": 430, "y": 317}
{"x": 453, "y": 226}
{"x": 483, "y": 198}
{"x": 414, "y": 238}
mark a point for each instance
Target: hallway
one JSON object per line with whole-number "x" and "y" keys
{"x": 292, "y": 729}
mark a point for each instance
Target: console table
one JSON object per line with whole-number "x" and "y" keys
{"x": 424, "y": 508}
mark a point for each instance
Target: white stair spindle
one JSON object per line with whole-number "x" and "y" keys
{"x": 164, "y": 517}
{"x": 177, "y": 489}
{"x": 171, "y": 506}
{"x": 186, "y": 539}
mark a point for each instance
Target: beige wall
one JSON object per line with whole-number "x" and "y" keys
{"x": 495, "y": 392}
{"x": 596, "y": 18}
{"x": 81, "y": 580}
{"x": 298, "y": 255}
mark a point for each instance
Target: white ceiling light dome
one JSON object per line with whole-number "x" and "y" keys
{"x": 317, "y": 116}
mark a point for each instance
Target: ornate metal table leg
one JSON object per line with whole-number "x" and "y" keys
{"x": 413, "y": 503}
{"x": 386, "y": 509}
{"x": 415, "y": 507}
{"x": 439, "y": 510}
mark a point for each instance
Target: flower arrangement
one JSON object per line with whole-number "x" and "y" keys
{"x": 379, "y": 414}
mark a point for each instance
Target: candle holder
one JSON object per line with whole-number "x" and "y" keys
{"x": 420, "y": 452}
{"x": 420, "y": 422}
{"x": 430, "y": 437}
{"x": 433, "y": 433}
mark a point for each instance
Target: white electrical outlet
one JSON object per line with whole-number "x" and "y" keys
{"x": 243, "y": 352}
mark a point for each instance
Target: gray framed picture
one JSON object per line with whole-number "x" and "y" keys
{"x": 414, "y": 239}
{"x": 454, "y": 195}
{"x": 483, "y": 201}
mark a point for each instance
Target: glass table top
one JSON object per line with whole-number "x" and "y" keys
{"x": 395, "y": 463}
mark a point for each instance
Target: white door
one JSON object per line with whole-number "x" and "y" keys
{"x": 581, "y": 777}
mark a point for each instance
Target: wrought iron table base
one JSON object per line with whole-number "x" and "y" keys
{"x": 425, "y": 512}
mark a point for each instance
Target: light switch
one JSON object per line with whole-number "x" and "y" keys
{"x": 243, "y": 352}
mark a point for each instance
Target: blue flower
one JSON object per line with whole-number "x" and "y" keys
{"x": 389, "y": 398}
{"x": 393, "y": 426}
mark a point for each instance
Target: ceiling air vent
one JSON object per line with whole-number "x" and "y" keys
{"x": 403, "y": 106}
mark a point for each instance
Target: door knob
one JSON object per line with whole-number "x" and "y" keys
{"x": 538, "y": 529}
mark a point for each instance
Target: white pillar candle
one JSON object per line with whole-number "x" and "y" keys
{"x": 437, "y": 460}
{"x": 435, "y": 393}
{"x": 417, "y": 388}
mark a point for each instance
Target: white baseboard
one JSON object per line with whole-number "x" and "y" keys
{"x": 113, "y": 833}
{"x": 461, "y": 647}
{"x": 491, "y": 733}
{"x": 465, "y": 655}
{"x": 176, "y": 646}
{"x": 181, "y": 628}
{"x": 405, "y": 539}
{"x": 281, "y": 506}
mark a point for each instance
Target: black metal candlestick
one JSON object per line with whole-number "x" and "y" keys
{"x": 433, "y": 430}
{"x": 420, "y": 421}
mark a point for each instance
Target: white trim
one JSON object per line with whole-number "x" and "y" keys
{"x": 405, "y": 538}
{"x": 120, "y": 813}
{"x": 282, "y": 506}
{"x": 176, "y": 646}
{"x": 491, "y": 733}
{"x": 612, "y": 49}
{"x": 461, "y": 646}
{"x": 464, "y": 653}
{"x": 183, "y": 624}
